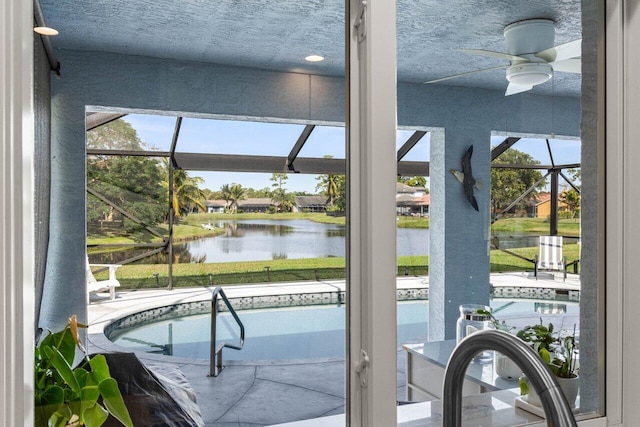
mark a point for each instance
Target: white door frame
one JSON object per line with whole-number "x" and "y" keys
{"x": 622, "y": 130}
{"x": 371, "y": 213}
{"x": 371, "y": 110}
{"x": 17, "y": 213}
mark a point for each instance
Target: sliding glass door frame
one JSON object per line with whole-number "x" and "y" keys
{"x": 371, "y": 213}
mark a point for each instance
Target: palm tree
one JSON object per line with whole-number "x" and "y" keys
{"x": 328, "y": 185}
{"x": 571, "y": 198}
{"x": 331, "y": 186}
{"x": 225, "y": 194}
{"x": 284, "y": 201}
{"x": 237, "y": 193}
{"x": 232, "y": 194}
{"x": 186, "y": 192}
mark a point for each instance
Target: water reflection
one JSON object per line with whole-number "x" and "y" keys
{"x": 550, "y": 308}
{"x": 335, "y": 232}
{"x": 257, "y": 240}
{"x": 262, "y": 240}
{"x": 181, "y": 254}
{"x": 241, "y": 228}
{"x": 250, "y": 240}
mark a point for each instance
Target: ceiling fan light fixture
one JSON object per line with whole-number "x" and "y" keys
{"x": 529, "y": 36}
{"x": 529, "y": 74}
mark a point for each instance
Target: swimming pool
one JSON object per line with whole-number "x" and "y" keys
{"x": 308, "y": 332}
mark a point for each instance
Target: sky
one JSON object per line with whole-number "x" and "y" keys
{"x": 277, "y": 139}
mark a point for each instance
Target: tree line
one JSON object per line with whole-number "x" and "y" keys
{"x": 140, "y": 185}
{"x": 509, "y": 184}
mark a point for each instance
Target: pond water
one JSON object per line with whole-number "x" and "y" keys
{"x": 264, "y": 239}
{"x": 269, "y": 239}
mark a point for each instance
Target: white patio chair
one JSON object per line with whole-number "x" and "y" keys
{"x": 110, "y": 284}
{"x": 551, "y": 258}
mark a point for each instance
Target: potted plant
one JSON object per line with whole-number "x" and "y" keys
{"x": 540, "y": 337}
{"x": 68, "y": 395}
{"x": 560, "y": 353}
{"x": 564, "y": 365}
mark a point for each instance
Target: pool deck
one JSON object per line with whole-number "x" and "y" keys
{"x": 252, "y": 394}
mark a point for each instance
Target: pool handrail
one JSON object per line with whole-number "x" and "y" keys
{"x": 215, "y": 354}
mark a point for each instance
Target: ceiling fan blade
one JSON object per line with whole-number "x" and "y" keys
{"x": 455, "y": 76}
{"x": 492, "y": 54}
{"x": 512, "y": 89}
{"x": 561, "y": 52}
{"x": 572, "y": 65}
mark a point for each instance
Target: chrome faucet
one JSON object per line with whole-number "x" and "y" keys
{"x": 554, "y": 403}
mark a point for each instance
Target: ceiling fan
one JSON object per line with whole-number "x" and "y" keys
{"x": 531, "y": 54}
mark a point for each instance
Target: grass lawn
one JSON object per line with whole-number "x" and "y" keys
{"x": 566, "y": 227}
{"x": 182, "y": 231}
{"x": 413, "y": 222}
{"x": 287, "y": 270}
{"x": 284, "y": 270}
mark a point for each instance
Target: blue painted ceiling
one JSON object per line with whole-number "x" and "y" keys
{"x": 278, "y": 34}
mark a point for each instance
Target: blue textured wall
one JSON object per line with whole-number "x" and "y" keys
{"x": 459, "y": 234}
{"x": 42, "y": 162}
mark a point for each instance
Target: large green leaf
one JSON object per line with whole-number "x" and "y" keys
{"x": 47, "y": 403}
{"x": 67, "y": 346}
{"x": 64, "y": 342}
{"x": 63, "y": 368}
{"x": 112, "y": 399}
{"x": 544, "y": 354}
{"x": 82, "y": 377}
{"x": 89, "y": 397}
{"x": 99, "y": 367}
{"x": 60, "y": 418}
{"x": 95, "y": 416}
{"x": 51, "y": 339}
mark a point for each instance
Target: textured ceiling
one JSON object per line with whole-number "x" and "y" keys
{"x": 278, "y": 34}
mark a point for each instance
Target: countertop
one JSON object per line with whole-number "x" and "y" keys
{"x": 438, "y": 352}
{"x": 495, "y": 409}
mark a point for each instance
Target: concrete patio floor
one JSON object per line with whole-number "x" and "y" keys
{"x": 264, "y": 393}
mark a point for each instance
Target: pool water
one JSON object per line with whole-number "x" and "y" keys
{"x": 296, "y": 332}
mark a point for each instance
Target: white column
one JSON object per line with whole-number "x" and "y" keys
{"x": 16, "y": 205}
{"x": 371, "y": 214}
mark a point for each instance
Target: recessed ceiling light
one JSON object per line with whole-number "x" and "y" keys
{"x": 46, "y": 31}
{"x": 314, "y": 58}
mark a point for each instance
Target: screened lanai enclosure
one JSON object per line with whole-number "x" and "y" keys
{"x": 139, "y": 189}
{"x": 133, "y": 184}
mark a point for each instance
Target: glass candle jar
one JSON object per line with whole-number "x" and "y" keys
{"x": 471, "y": 321}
